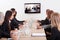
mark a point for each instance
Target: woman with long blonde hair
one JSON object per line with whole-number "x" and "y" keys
{"x": 55, "y": 23}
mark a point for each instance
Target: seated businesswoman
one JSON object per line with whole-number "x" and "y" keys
{"x": 55, "y": 24}
{"x": 6, "y": 26}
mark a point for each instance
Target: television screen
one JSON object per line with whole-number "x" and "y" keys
{"x": 32, "y": 7}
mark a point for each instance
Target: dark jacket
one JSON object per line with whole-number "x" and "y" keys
{"x": 4, "y": 30}
{"x": 48, "y": 29}
{"x": 15, "y": 23}
{"x": 55, "y": 34}
{"x": 45, "y": 22}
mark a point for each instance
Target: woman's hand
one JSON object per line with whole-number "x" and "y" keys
{"x": 20, "y": 26}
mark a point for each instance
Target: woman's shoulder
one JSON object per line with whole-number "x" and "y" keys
{"x": 54, "y": 29}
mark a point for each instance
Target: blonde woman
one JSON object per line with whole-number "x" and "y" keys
{"x": 55, "y": 23}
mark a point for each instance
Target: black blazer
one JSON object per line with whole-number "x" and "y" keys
{"x": 18, "y": 22}
{"x": 55, "y": 34}
{"x": 4, "y": 30}
{"x": 45, "y": 22}
{"x": 15, "y": 23}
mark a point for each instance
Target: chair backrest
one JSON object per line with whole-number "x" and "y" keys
{"x": 1, "y": 18}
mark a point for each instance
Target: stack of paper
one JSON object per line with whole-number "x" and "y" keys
{"x": 38, "y": 34}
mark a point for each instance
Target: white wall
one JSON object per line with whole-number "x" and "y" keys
{"x": 19, "y": 6}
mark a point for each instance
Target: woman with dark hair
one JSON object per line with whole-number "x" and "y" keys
{"x": 6, "y": 26}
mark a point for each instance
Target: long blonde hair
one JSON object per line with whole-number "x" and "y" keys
{"x": 55, "y": 20}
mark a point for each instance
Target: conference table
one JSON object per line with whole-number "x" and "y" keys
{"x": 36, "y": 34}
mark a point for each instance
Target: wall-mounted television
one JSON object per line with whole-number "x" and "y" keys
{"x": 32, "y": 8}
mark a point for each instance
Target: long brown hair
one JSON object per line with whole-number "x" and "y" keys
{"x": 7, "y": 18}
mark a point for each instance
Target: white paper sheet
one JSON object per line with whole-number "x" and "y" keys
{"x": 38, "y": 34}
